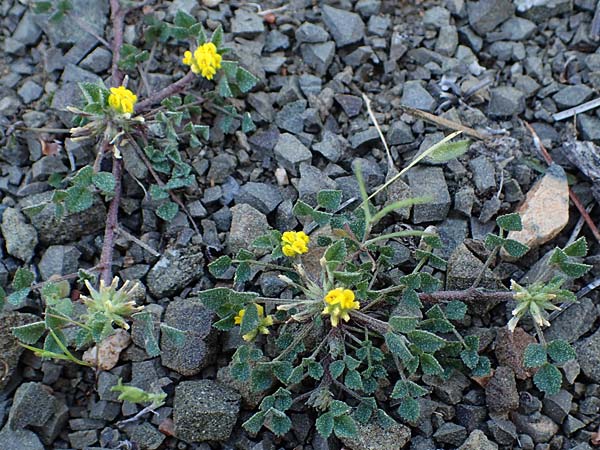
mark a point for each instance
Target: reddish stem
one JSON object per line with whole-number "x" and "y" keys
{"x": 172, "y": 89}
{"x": 117, "y": 16}
{"x": 111, "y": 224}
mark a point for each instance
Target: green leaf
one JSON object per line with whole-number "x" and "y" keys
{"x": 426, "y": 341}
{"x": 397, "y": 346}
{"x": 483, "y": 368}
{"x": 577, "y": 249}
{"x": 261, "y": 379}
{"x": 282, "y": 370}
{"x": 365, "y": 409}
{"x": 344, "y": 426}
{"x": 470, "y": 358}
{"x": 403, "y": 324}
{"x": 510, "y": 222}
{"x": 329, "y": 199}
{"x": 30, "y": 333}
{"x": 534, "y": 355}
{"x": 409, "y": 409}
{"x": 574, "y": 270}
{"x": 243, "y": 273}
{"x": 226, "y": 323}
{"x": 336, "y": 368}
{"x": 448, "y": 151}
{"x": 456, "y": 310}
{"x": 224, "y": 89}
{"x": 23, "y": 279}
{"x": 78, "y": 199}
{"x": 175, "y": 335}
{"x": 353, "y": 380}
{"x": 492, "y": 241}
{"x": 17, "y": 297}
{"x": 548, "y": 379}
{"x": 254, "y": 423}
{"x": 94, "y": 93}
{"x": 219, "y": 266}
{"x": 217, "y": 36}
{"x": 278, "y": 422}
{"x": 324, "y": 424}
{"x": 302, "y": 209}
{"x": 514, "y": 248}
{"x": 336, "y": 252}
{"x": 105, "y": 181}
{"x": 430, "y": 365}
{"x": 184, "y": 20}
{"x": 561, "y": 351}
{"x": 351, "y": 363}
{"x": 245, "y": 80}
{"x": 167, "y": 211}
{"x": 42, "y": 7}
{"x": 314, "y": 369}
{"x": 250, "y": 321}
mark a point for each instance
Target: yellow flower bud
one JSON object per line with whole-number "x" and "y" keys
{"x": 339, "y": 302}
{"x": 122, "y": 100}
{"x": 204, "y": 61}
{"x": 294, "y": 243}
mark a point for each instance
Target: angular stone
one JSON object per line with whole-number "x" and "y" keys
{"x": 588, "y": 356}
{"x": 247, "y": 24}
{"x": 551, "y": 193}
{"x": 463, "y": 269}
{"x": 573, "y": 322}
{"x": 399, "y": 133}
{"x": 345, "y": 27}
{"x": 310, "y": 33}
{"x": 414, "y": 95}
{"x": 429, "y": 182}
{"x": 10, "y": 350}
{"x": 204, "y": 410}
{"x": 262, "y": 196}
{"x": 290, "y": 152}
{"x": 484, "y": 174}
{"x": 540, "y": 11}
{"x": 290, "y": 117}
{"x": 540, "y": 428}
{"x": 59, "y": 260}
{"x": 21, "y": 439}
{"x": 557, "y": 406}
{"x": 571, "y": 96}
{"x": 477, "y": 440}
{"x": 506, "y": 101}
{"x": 371, "y": 436}
{"x": 30, "y": 91}
{"x": 485, "y": 15}
{"x": 176, "y": 268}
{"x": 20, "y": 237}
{"x": 451, "y": 434}
{"x": 501, "y": 391}
{"x": 351, "y": 104}
{"x": 331, "y": 146}
{"x": 146, "y": 436}
{"x": 503, "y": 431}
{"x": 245, "y": 221}
{"x": 318, "y": 56}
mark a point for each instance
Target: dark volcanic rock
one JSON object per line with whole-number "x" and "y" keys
{"x": 345, "y": 27}
{"x": 174, "y": 270}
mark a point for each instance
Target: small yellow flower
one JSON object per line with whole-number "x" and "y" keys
{"x": 263, "y": 323}
{"x": 339, "y": 303}
{"x": 122, "y": 100}
{"x": 205, "y": 60}
{"x": 294, "y": 243}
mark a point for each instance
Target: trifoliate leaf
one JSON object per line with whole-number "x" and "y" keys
{"x": 470, "y": 358}
{"x": 483, "y": 368}
{"x": 353, "y": 380}
{"x": 219, "y": 266}
{"x": 278, "y": 422}
{"x": 492, "y": 241}
{"x": 254, "y": 423}
{"x": 548, "y": 379}
{"x": 426, "y": 341}
{"x": 314, "y": 369}
{"x": 144, "y": 322}
{"x": 403, "y": 324}
{"x": 338, "y": 408}
{"x": 574, "y": 270}
{"x": 105, "y": 181}
{"x": 78, "y": 199}
{"x": 336, "y": 368}
{"x": 329, "y": 199}
{"x": 578, "y": 248}
{"x": 336, "y": 252}
{"x": 510, "y": 222}
{"x": 397, "y": 345}
{"x": 561, "y": 351}
{"x": 251, "y": 320}
{"x": 245, "y": 80}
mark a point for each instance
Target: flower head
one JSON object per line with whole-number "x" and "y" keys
{"x": 263, "y": 323}
{"x": 122, "y": 100}
{"x": 205, "y": 60}
{"x": 339, "y": 302}
{"x": 294, "y": 243}
{"x": 112, "y": 303}
{"x": 535, "y": 300}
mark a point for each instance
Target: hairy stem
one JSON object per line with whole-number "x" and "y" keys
{"x": 117, "y": 17}
{"x": 172, "y": 89}
{"x": 112, "y": 223}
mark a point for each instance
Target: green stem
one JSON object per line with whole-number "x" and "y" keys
{"x": 406, "y": 233}
{"x": 295, "y": 342}
{"x": 539, "y": 333}
{"x": 262, "y": 264}
{"x": 68, "y": 319}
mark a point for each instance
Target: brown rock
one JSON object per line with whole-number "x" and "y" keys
{"x": 501, "y": 395}
{"x": 510, "y": 348}
{"x": 545, "y": 211}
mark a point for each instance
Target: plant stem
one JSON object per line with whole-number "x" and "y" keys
{"x": 172, "y": 89}
{"x": 468, "y": 296}
{"x": 295, "y": 342}
{"x": 485, "y": 267}
{"x": 540, "y": 333}
{"x": 263, "y": 264}
{"x": 111, "y": 224}
{"x": 117, "y": 17}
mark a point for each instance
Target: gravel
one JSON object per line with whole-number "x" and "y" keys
{"x": 345, "y": 27}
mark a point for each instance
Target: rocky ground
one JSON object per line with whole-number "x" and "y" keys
{"x": 488, "y": 64}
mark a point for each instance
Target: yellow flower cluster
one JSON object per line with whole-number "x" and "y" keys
{"x": 339, "y": 303}
{"x": 263, "y": 323}
{"x": 205, "y": 60}
{"x": 294, "y": 243}
{"x": 122, "y": 100}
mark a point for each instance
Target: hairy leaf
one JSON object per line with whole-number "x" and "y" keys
{"x": 561, "y": 351}
{"x": 548, "y": 379}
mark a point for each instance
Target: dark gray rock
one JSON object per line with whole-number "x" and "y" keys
{"x": 450, "y": 390}
{"x": 331, "y": 146}
{"x": 10, "y": 350}
{"x": 464, "y": 199}
{"x": 27, "y": 31}
{"x": 83, "y": 439}
{"x": 573, "y": 322}
{"x": 419, "y": 442}
{"x": 21, "y": 439}
{"x": 484, "y": 174}
{"x": 451, "y": 434}
{"x": 345, "y": 27}
{"x": 372, "y": 436}
{"x": 367, "y": 8}
{"x": 429, "y": 182}
{"x": 436, "y": 17}
{"x": 379, "y": 25}
{"x": 506, "y": 101}
{"x": 276, "y": 40}
{"x": 447, "y": 40}
{"x": 485, "y": 15}
{"x": 250, "y": 398}
{"x": 540, "y": 428}
{"x": 572, "y": 425}
{"x": 489, "y": 209}
{"x": 557, "y": 406}
{"x": 463, "y": 269}
{"x": 540, "y": 11}
{"x": 501, "y": 391}
{"x": 588, "y": 356}
{"x": 514, "y": 29}
{"x": 262, "y": 196}
{"x": 204, "y": 410}
{"x": 247, "y": 24}
{"x": 138, "y": 330}
{"x": 414, "y": 95}
{"x": 477, "y": 440}
{"x": 503, "y": 431}
{"x": 68, "y": 93}
{"x": 310, "y": 33}
{"x": 571, "y": 96}
{"x": 311, "y": 181}
{"x": 589, "y": 127}
{"x": 33, "y": 405}
{"x": 318, "y": 56}
{"x": 46, "y": 166}
{"x": 13, "y": 47}
{"x": 471, "y": 417}
{"x": 13, "y": 152}
{"x": 310, "y": 84}
{"x": 399, "y": 133}
{"x": 364, "y": 138}
{"x": 290, "y": 152}
{"x": 175, "y": 270}
{"x": 55, "y": 424}
{"x": 20, "y": 238}
{"x": 146, "y": 436}
{"x": 198, "y": 351}
{"x": 290, "y": 117}
{"x": 30, "y": 91}
{"x": 98, "y": 61}
{"x": 59, "y": 260}
{"x": 351, "y": 104}
{"x": 245, "y": 221}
